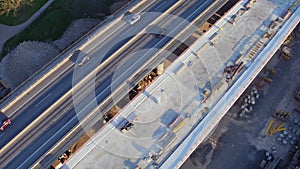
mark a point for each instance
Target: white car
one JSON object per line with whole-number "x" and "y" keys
{"x": 134, "y": 19}
{"x": 83, "y": 60}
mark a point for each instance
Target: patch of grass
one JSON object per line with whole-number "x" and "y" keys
{"x": 48, "y": 27}
{"x": 56, "y": 18}
{"x": 23, "y": 14}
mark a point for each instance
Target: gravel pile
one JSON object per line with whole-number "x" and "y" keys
{"x": 24, "y": 60}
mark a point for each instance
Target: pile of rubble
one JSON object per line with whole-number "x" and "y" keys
{"x": 76, "y": 30}
{"x": 24, "y": 61}
{"x": 247, "y": 104}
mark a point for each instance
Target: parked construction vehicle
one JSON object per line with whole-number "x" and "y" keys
{"x": 127, "y": 126}
{"x": 267, "y": 79}
{"x": 281, "y": 115}
{"x": 286, "y": 57}
{"x": 231, "y": 71}
{"x": 273, "y": 128}
{"x": 206, "y": 93}
{"x": 270, "y": 71}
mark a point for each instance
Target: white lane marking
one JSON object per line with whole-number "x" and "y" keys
{"x": 89, "y": 51}
{"x": 151, "y": 2}
{"x": 126, "y": 33}
{"x": 39, "y": 91}
{"x": 42, "y": 100}
{"x": 115, "y": 30}
{"x": 160, "y": 5}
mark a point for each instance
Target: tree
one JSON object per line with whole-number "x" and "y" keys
{"x": 8, "y": 6}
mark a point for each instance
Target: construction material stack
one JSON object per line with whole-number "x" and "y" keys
{"x": 232, "y": 70}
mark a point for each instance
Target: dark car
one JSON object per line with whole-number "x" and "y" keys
{"x": 79, "y": 58}
{"x": 127, "y": 126}
{"x": 161, "y": 33}
{"x": 4, "y": 123}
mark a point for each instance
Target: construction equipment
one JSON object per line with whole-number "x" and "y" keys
{"x": 270, "y": 71}
{"x": 146, "y": 81}
{"x": 269, "y": 126}
{"x": 286, "y": 57}
{"x": 286, "y": 14}
{"x": 167, "y": 139}
{"x": 272, "y": 128}
{"x": 231, "y": 71}
{"x": 206, "y": 93}
{"x": 267, "y": 35}
{"x": 275, "y": 130}
{"x": 127, "y": 126}
{"x": 281, "y": 115}
{"x": 267, "y": 79}
{"x": 249, "y": 4}
{"x": 180, "y": 124}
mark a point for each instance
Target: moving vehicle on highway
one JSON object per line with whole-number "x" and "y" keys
{"x": 79, "y": 58}
{"x": 161, "y": 33}
{"x": 83, "y": 60}
{"x": 4, "y": 123}
{"x": 134, "y": 19}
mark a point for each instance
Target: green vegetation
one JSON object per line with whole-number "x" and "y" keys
{"x": 48, "y": 27}
{"x": 56, "y": 18}
{"x": 14, "y": 12}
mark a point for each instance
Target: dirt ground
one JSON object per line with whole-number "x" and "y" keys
{"x": 25, "y": 60}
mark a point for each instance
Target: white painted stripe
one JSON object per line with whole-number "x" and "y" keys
{"x": 39, "y": 91}
{"x": 160, "y": 5}
{"x": 126, "y": 33}
{"x": 42, "y": 100}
